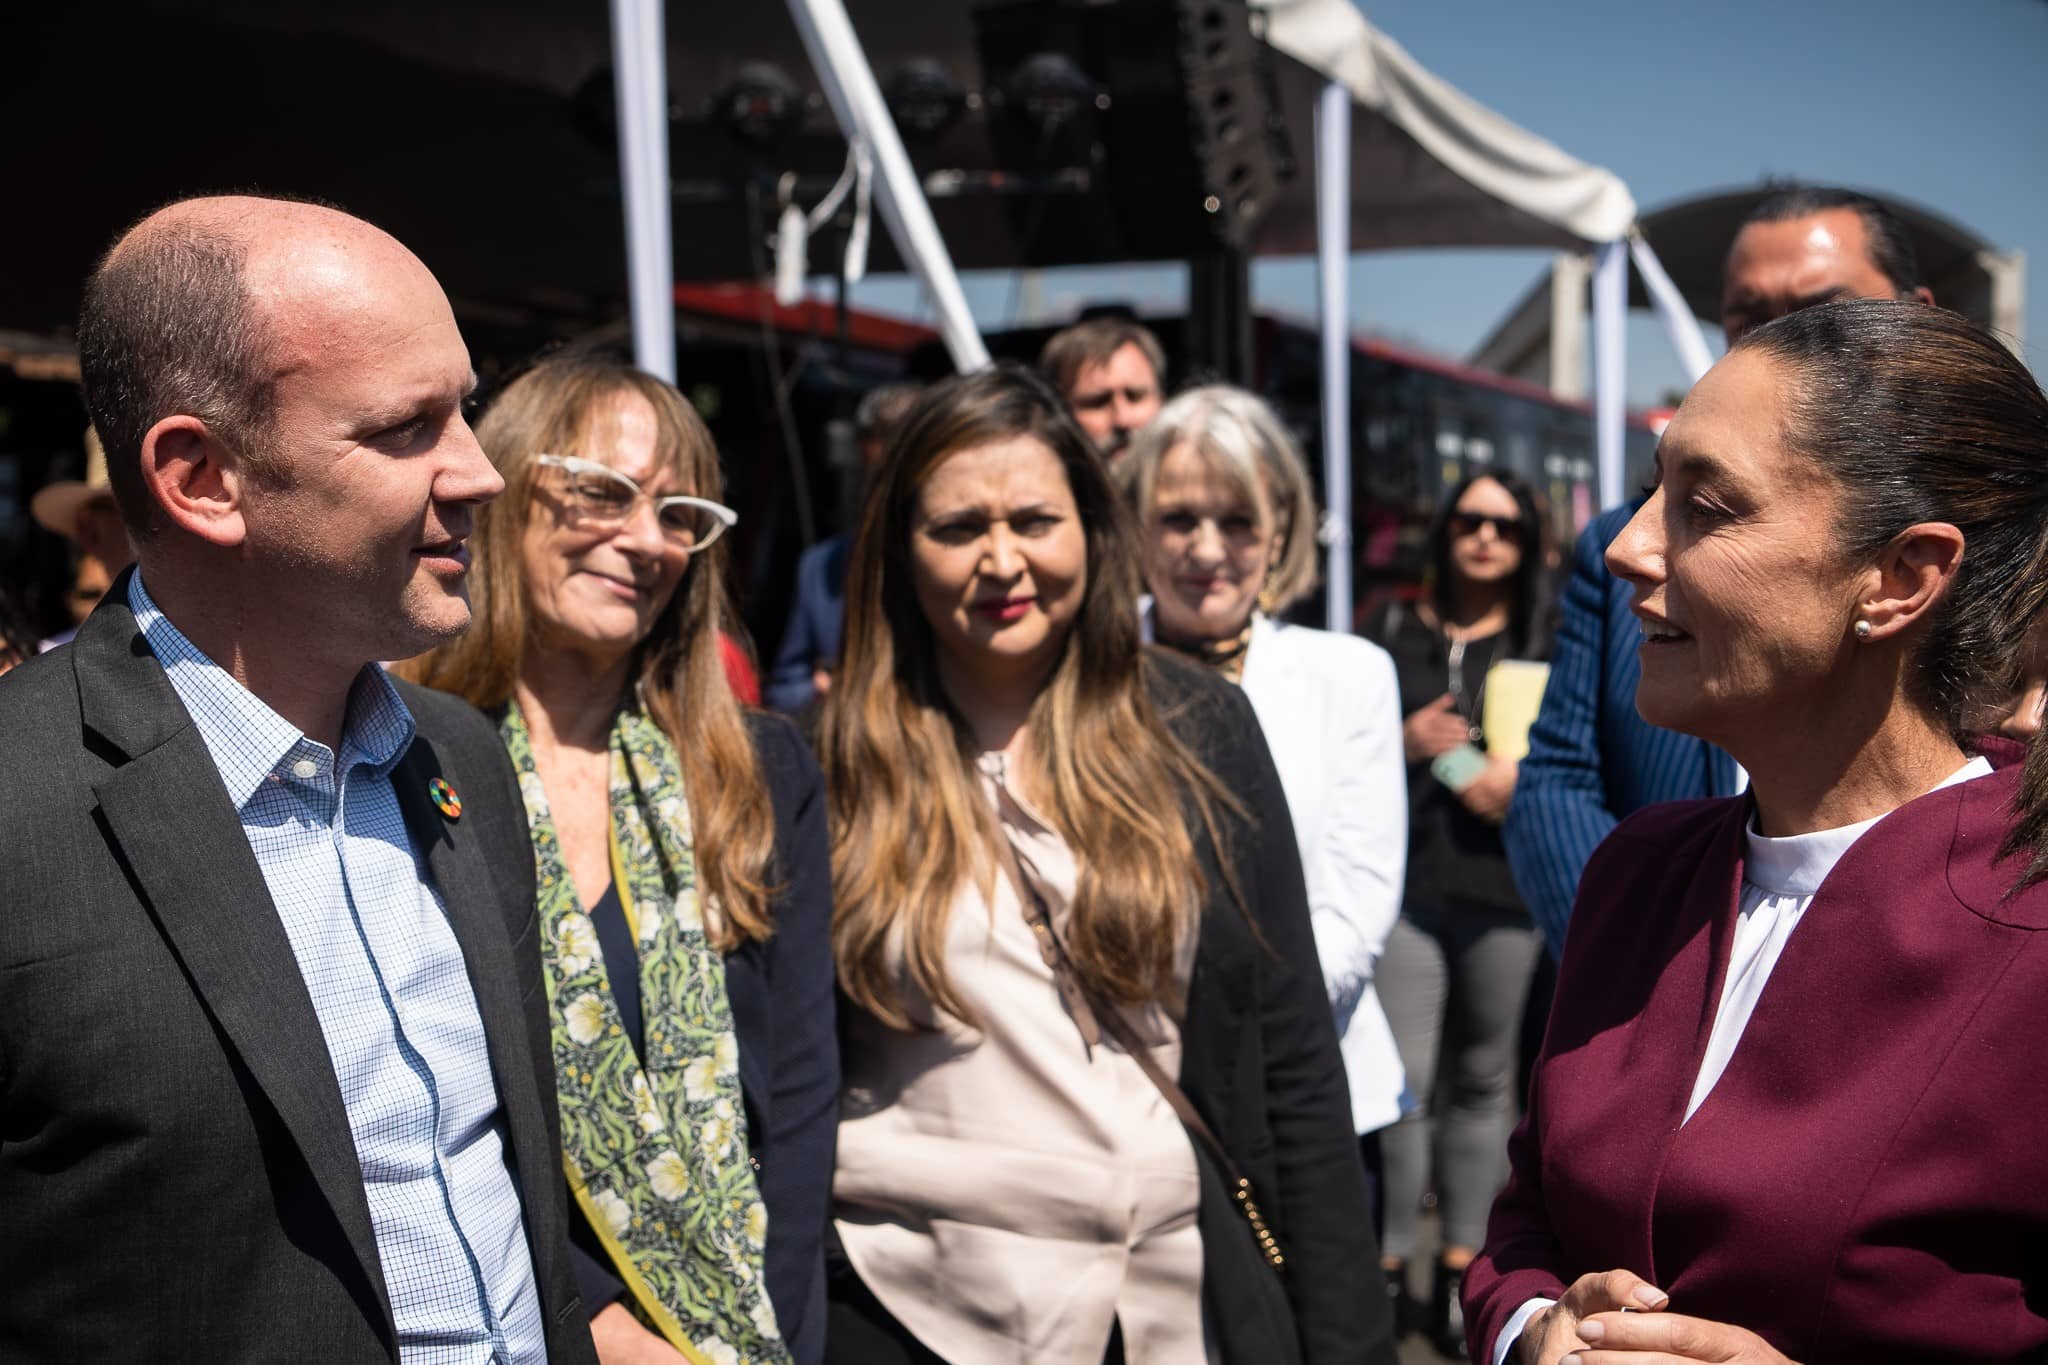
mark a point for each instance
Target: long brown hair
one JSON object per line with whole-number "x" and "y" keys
{"x": 559, "y": 407}
{"x": 909, "y": 825}
{"x": 1921, "y": 416}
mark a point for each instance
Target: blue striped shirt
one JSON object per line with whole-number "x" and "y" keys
{"x": 389, "y": 984}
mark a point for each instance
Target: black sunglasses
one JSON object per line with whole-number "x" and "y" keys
{"x": 1468, "y": 524}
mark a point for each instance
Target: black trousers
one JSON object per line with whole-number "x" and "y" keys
{"x": 860, "y": 1331}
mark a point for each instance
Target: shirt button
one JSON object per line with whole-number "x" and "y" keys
{"x": 305, "y": 768}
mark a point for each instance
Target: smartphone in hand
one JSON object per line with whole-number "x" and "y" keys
{"x": 1458, "y": 768}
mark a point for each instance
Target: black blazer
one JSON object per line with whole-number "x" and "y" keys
{"x": 177, "y": 1176}
{"x": 1259, "y": 1060}
{"x": 781, "y": 993}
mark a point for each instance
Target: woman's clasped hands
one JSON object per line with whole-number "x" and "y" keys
{"x": 1617, "y": 1318}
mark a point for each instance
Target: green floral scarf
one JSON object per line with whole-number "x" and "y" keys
{"x": 656, "y": 1157}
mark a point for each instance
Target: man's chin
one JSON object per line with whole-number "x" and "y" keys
{"x": 448, "y": 624}
{"x": 424, "y": 630}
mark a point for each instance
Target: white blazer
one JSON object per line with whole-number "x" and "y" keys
{"x": 1331, "y": 712}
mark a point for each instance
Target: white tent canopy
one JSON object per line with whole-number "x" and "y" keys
{"x": 1481, "y": 179}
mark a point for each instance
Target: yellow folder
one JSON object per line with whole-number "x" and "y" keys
{"x": 1514, "y": 691}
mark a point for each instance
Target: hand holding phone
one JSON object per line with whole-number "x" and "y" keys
{"x": 1458, "y": 768}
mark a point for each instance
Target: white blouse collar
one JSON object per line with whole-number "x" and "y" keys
{"x": 1798, "y": 864}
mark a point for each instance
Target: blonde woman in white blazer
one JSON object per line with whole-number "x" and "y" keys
{"x": 1228, "y": 522}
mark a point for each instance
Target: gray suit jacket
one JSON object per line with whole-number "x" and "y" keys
{"x": 177, "y": 1177}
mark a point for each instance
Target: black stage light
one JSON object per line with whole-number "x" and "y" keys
{"x": 924, "y": 99}
{"x": 761, "y": 106}
{"x": 1047, "y": 93}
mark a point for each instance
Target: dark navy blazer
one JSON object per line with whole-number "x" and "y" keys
{"x": 1592, "y": 760}
{"x": 782, "y": 1000}
{"x": 815, "y": 618}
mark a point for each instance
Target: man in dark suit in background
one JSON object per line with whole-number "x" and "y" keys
{"x": 1592, "y": 759}
{"x": 274, "y": 1077}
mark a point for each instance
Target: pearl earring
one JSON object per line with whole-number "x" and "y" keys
{"x": 1863, "y": 630}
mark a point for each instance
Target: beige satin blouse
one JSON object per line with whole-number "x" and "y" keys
{"x": 1007, "y": 1193}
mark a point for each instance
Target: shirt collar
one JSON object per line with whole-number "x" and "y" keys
{"x": 250, "y": 742}
{"x": 1798, "y": 864}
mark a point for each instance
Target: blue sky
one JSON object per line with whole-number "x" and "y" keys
{"x": 1942, "y": 103}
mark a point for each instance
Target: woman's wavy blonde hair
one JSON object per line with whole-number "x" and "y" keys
{"x": 564, "y": 406}
{"x": 908, "y": 820}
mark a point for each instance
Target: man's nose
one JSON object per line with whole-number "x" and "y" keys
{"x": 468, "y": 475}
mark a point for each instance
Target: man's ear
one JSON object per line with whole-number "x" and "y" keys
{"x": 195, "y": 479}
{"x": 1910, "y": 576}
{"x": 1920, "y": 293}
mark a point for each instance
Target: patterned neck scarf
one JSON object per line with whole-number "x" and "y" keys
{"x": 1226, "y": 656}
{"x": 656, "y": 1155}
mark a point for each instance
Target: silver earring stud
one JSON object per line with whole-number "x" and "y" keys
{"x": 1863, "y": 630}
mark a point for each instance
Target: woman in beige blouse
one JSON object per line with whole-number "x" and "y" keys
{"x": 1046, "y": 839}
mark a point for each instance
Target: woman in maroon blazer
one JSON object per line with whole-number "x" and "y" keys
{"x": 1793, "y": 1100}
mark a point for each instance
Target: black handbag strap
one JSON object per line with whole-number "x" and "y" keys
{"x": 1096, "y": 1013}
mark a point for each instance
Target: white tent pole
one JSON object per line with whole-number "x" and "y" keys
{"x": 1333, "y": 277}
{"x": 856, "y": 100}
{"x": 641, "y": 61}
{"x": 1679, "y": 323}
{"x": 1610, "y": 367}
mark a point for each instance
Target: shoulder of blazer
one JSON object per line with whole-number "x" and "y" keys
{"x": 1972, "y": 819}
{"x": 1672, "y": 824}
{"x": 1657, "y": 838}
{"x": 1209, "y": 714}
{"x": 1650, "y": 867}
{"x": 1324, "y": 654}
{"x": 447, "y": 719}
{"x": 787, "y": 765}
{"x": 794, "y": 780}
{"x": 49, "y": 766}
{"x": 36, "y": 697}
{"x": 70, "y": 716}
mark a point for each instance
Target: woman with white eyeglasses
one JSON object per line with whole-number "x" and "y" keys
{"x": 679, "y": 842}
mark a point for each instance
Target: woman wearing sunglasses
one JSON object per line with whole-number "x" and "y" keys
{"x": 682, "y": 872}
{"x": 1459, "y": 961}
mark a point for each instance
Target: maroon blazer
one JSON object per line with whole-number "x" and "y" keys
{"x": 1868, "y": 1181}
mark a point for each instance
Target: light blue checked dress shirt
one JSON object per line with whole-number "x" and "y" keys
{"x": 393, "y": 998}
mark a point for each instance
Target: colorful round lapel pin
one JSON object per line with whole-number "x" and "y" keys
{"x": 444, "y": 797}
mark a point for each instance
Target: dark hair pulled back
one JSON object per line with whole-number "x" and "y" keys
{"x": 1921, "y": 416}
